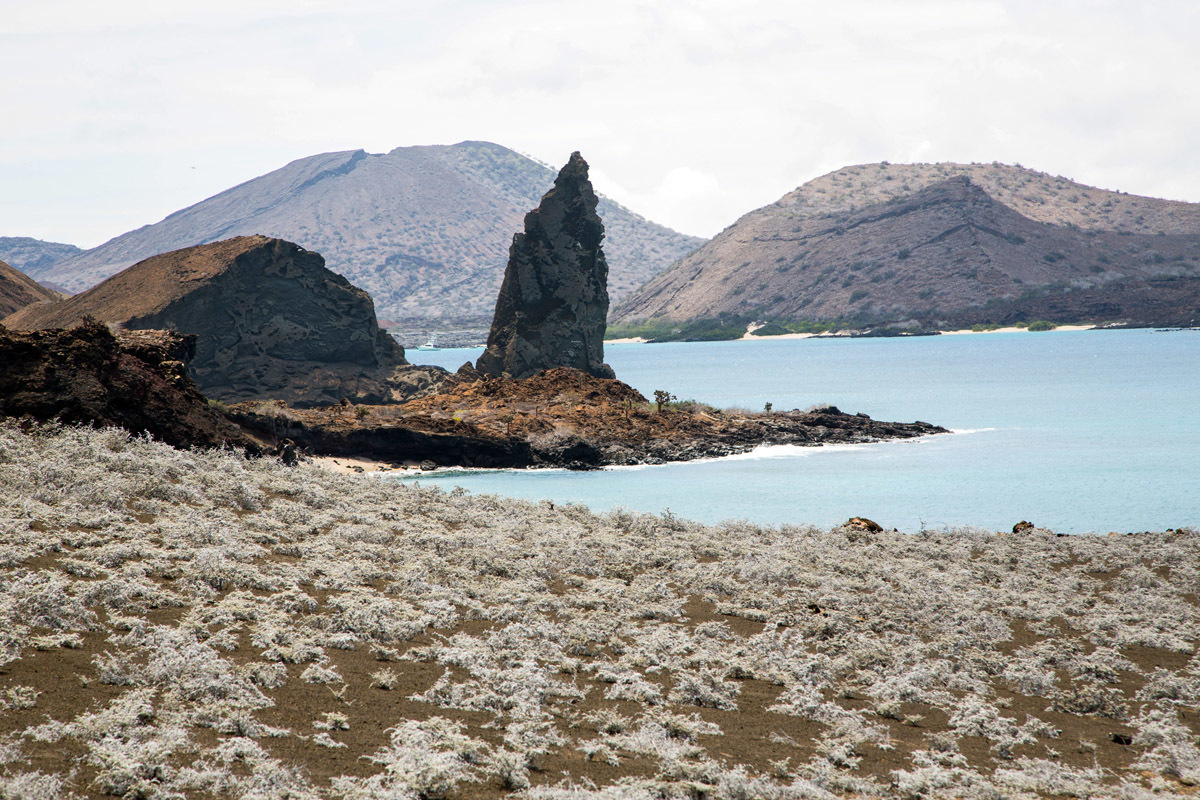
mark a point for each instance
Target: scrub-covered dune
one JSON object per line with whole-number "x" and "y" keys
{"x": 197, "y": 624}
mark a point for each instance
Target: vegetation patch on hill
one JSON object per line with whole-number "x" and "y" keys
{"x": 196, "y": 624}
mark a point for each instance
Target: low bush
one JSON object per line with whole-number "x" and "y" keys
{"x": 224, "y": 638}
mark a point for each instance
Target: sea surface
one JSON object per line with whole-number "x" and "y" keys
{"x": 1077, "y": 431}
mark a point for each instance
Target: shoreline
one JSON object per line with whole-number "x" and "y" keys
{"x": 350, "y": 465}
{"x": 750, "y": 337}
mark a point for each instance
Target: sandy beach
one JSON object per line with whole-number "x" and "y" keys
{"x": 345, "y": 466}
{"x": 750, "y": 337}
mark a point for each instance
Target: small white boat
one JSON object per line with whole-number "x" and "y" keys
{"x": 431, "y": 344}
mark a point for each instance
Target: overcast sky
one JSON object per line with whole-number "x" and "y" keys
{"x": 117, "y": 113}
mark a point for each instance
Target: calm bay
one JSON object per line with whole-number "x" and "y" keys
{"x": 1077, "y": 431}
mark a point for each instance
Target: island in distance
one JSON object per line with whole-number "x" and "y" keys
{"x": 934, "y": 246}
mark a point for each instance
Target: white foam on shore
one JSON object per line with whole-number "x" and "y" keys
{"x": 762, "y": 452}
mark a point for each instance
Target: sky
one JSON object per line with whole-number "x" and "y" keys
{"x": 692, "y": 114}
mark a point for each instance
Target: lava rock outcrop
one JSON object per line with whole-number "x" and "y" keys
{"x": 553, "y": 304}
{"x": 131, "y": 380}
{"x": 270, "y": 321}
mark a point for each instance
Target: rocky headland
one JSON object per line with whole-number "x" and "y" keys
{"x": 298, "y": 352}
{"x": 559, "y": 417}
{"x": 269, "y": 319}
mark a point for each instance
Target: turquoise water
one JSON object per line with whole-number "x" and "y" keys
{"x": 1076, "y": 431}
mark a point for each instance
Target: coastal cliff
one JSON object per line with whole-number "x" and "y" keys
{"x": 136, "y": 380}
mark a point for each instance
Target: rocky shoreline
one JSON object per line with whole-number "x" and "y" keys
{"x": 557, "y": 418}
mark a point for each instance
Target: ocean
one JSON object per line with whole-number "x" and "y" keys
{"x": 1077, "y": 431}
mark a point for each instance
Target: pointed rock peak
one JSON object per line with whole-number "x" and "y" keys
{"x": 553, "y": 304}
{"x": 576, "y": 168}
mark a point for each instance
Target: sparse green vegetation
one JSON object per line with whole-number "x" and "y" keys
{"x": 1041, "y": 325}
{"x": 697, "y": 330}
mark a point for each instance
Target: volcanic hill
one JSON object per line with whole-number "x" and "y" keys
{"x": 425, "y": 230}
{"x": 270, "y": 320}
{"x": 941, "y": 245}
{"x": 18, "y": 290}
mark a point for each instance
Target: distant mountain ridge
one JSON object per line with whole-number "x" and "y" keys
{"x": 31, "y": 255}
{"x": 425, "y": 230}
{"x": 941, "y": 245}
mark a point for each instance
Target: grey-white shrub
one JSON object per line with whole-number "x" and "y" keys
{"x": 300, "y": 564}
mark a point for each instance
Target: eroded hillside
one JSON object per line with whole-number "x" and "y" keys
{"x": 941, "y": 243}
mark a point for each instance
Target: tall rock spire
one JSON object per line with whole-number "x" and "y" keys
{"x": 553, "y": 304}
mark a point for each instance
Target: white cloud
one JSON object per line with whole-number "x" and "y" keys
{"x": 696, "y": 112}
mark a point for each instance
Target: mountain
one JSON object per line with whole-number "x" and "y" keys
{"x": 945, "y": 244}
{"x": 269, "y": 319}
{"x": 18, "y": 290}
{"x": 33, "y": 255}
{"x": 425, "y": 230}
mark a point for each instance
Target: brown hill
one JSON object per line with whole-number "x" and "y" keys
{"x": 18, "y": 290}
{"x": 946, "y": 252}
{"x": 1041, "y": 197}
{"x": 270, "y": 320}
{"x": 135, "y": 380}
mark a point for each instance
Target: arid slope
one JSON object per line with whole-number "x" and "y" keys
{"x": 938, "y": 243}
{"x": 18, "y": 290}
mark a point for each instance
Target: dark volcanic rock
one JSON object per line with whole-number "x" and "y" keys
{"x": 560, "y": 417}
{"x": 135, "y": 381}
{"x": 554, "y": 300}
{"x": 270, "y": 321}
